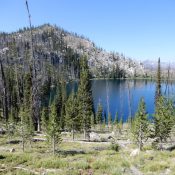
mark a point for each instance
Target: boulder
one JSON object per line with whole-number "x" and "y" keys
{"x": 2, "y": 131}
{"x": 39, "y": 139}
{"x": 95, "y": 137}
{"x": 135, "y": 153}
{"x": 13, "y": 142}
{"x": 169, "y": 148}
{"x": 12, "y": 150}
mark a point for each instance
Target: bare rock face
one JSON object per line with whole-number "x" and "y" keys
{"x": 101, "y": 63}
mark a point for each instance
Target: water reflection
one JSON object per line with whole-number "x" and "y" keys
{"x": 120, "y": 92}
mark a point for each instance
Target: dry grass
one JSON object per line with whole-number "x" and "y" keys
{"x": 83, "y": 158}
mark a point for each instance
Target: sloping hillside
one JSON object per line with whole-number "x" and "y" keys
{"x": 63, "y": 49}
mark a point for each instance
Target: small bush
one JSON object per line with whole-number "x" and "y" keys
{"x": 81, "y": 165}
{"x": 115, "y": 147}
{"x": 102, "y": 139}
{"x": 2, "y": 157}
{"x": 51, "y": 163}
{"x": 156, "y": 167}
{"x": 103, "y": 165}
{"x": 125, "y": 164}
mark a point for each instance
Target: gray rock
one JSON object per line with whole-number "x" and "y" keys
{"x": 13, "y": 142}
{"x": 135, "y": 153}
{"x": 95, "y": 137}
{"x": 12, "y": 150}
{"x": 2, "y": 131}
{"x": 39, "y": 139}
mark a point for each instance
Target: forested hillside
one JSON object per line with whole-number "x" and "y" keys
{"x": 35, "y": 62}
{"x": 61, "y": 49}
{"x": 68, "y": 106}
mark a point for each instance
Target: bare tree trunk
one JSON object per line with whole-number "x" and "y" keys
{"x": 35, "y": 85}
{"x": 73, "y": 133}
{"x": 129, "y": 103}
{"x": 84, "y": 134}
{"x": 22, "y": 133}
{"x": 107, "y": 100}
{"x": 39, "y": 125}
{"x": 88, "y": 136}
{"x": 5, "y": 103}
{"x": 161, "y": 146}
{"x": 121, "y": 107}
{"x": 23, "y": 143}
{"x": 167, "y": 81}
{"x": 53, "y": 144}
{"x": 17, "y": 84}
{"x": 140, "y": 138}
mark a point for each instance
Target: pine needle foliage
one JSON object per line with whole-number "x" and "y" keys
{"x": 140, "y": 124}
{"x": 164, "y": 119}
{"x": 99, "y": 114}
{"x": 53, "y": 130}
{"x": 73, "y": 120}
{"x": 84, "y": 96}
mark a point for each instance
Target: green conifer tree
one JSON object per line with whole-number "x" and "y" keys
{"x": 99, "y": 114}
{"x": 109, "y": 119}
{"x": 85, "y": 102}
{"x": 26, "y": 128}
{"x": 64, "y": 99}
{"x": 116, "y": 119}
{"x": 44, "y": 119}
{"x": 163, "y": 119}
{"x": 158, "y": 83}
{"x": 58, "y": 100}
{"x": 72, "y": 119}
{"x": 140, "y": 124}
{"x": 53, "y": 129}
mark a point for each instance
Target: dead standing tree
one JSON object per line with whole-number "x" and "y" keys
{"x": 4, "y": 86}
{"x": 35, "y": 81}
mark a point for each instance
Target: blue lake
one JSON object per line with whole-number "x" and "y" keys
{"x": 120, "y": 92}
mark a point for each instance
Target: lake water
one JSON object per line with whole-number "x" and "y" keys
{"x": 120, "y": 92}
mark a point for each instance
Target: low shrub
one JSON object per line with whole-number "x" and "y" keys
{"x": 115, "y": 147}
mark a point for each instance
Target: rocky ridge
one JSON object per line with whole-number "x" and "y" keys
{"x": 48, "y": 38}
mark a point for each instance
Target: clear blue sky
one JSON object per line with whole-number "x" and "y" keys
{"x": 142, "y": 29}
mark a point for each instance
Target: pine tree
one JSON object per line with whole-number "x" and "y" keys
{"x": 28, "y": 89}
{"x": 58, "y": 101}
{"x": 120, "y": 125}
{"x": 53, "y": 130}
{"x": 158, "y": 83}
{"x": 11, "y": 126}
{"x": 26, "y": 128}
{"x": 4, "y": 96}
{"x": 116, "y": 119}
{"x": 99, "y": 114}
{"x": 105, "y": 118}
{"x": 44, "y": 119}
{"x": 109, "y": 119}
{"x": 72, "y": 118}
{"x": 140, "y": 124}
{"x": 64, "y": 99}
{"x": 85, "y": 102}
{"x": 163, "y": 119}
